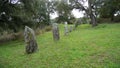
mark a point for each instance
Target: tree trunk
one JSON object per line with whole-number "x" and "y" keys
{"x": 93, "y": 20}
{"x": 92, "y": 16}
{"x": 112, "y": 17}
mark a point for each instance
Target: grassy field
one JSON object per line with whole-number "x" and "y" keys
{"x": 86, "y": 47}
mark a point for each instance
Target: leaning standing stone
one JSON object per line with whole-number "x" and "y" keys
{"x": 66, "y": 29}
{"x": 55, "y": 30}
{"x": 30, "y": 39}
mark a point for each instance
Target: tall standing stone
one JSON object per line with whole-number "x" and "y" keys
{"x": 77, "y": 22}
{"x": 71, "y": 28}
{"x": 66, "y": 29}
{"x": 55, "y": 31}
{"x": 30, "y": 39}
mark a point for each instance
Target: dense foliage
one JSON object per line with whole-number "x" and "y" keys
{"x": 15, "y": 14}
{"x": 24, "y": 12}
{"x": 110, "y": 8}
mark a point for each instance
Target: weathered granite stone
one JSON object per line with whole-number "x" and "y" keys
{"x": 77, "y": 22}
{"x": 66, "y": 29}
{"x": 70, "y": 28}
{"x": 55, "y": 31}
{"x": 30, "y": 40}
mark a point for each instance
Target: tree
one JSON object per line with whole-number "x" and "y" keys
{"x": 15, "y": 16}
{"x": 90, "y": 10}
{"x": 109, "y": 8}
{"x": 40, "y": 10}
{"x": 8, "y": 12}
{"x": 64, "y": 11}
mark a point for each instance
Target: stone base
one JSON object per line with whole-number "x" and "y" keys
{"x": 31, "y": 47}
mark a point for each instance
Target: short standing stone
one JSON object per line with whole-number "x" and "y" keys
{"x": 55, "y": 30}
{"x": 30, "y": 39}
{"x": 66, "y": 29}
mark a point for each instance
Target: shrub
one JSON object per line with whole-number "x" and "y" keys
{"x": 117, "y": 18}
{"x": 103, "y": 20}
{"x": 48, "y": 28}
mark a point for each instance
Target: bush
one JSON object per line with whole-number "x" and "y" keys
{"x": 48, "y": 28}
{"x": 6, "y": 38}
{"x": 10, "y": 36}
{"x": 117, "y": 18}
{"x": 103, "y": 20}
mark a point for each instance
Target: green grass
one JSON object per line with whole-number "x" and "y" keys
{"x": 86, "y": 47}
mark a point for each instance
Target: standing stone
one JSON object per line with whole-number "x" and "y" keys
{"x": 30, "y": 40}
{"x": 77, "y": 22}
{"x": 66, "y": 29}
{"x": 76, "y": 25}
{"x": 71, "y": 28}
{"x": 55, "y": 30}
